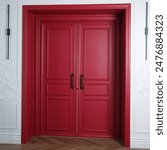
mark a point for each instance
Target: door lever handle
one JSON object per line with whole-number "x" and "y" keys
{"x": 81, "y": 81}
{"x": 72, "y": 81}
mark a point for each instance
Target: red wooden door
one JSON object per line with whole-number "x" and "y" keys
{"x": 58, "y": 109}
{"x": 96, "y": 78}
{"x": 77, "y": 69}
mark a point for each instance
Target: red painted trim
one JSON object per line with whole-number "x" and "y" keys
{"x": 127, "y": 78}
{"x": 110, "y": 7}
{"x": 32, "y": 11}
{"x": 126, "y": 20}
{"x": 24, "y": 77}
{"x": 28, "y": 78}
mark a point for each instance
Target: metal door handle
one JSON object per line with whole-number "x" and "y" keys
{"x": 81, "y": 81}
{"x": 72, "y": 81}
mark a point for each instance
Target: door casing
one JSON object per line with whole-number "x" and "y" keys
{"x": 30, "y": 63}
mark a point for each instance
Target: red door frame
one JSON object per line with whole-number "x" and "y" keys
{"x": 30, "y": 90}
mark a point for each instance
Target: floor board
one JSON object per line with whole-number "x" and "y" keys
{"x": 65, "y": 143}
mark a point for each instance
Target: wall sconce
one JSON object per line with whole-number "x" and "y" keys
{"x": 8, "y": 32}
{"x": 146, "y": 32}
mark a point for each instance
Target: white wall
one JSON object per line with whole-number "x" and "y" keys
{"x": 10, "y": 101}
{"x": 10, "y": 71}
{"x": 140, "y": 98}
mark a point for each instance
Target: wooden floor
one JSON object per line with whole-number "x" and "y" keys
{"x": 61, "y": 143}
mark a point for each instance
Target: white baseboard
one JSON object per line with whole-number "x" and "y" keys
{"x": 10, "y": 139}
{"x": 140, "y": 143}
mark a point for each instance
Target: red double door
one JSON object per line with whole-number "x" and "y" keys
{"x": 77, "y": 78}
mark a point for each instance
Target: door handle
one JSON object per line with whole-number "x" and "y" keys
{"x": 72, "y": 81}
{"x": 81, "y": 81}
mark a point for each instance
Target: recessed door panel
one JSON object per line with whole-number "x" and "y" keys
{"x": 95, "y": 46}
{"x": 96, "y": 66}
{"x": 95, "y": 120}
{"x": 58, "y": 112}
{"x": 96, "y": 89}
{"x": 58, "y": 47}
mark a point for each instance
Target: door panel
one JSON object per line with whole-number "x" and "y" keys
{"x": 58, "y": 53}
{"x": 58, "y": 112}
{"x": 97, "y": 66}
{"x": 95, "y": 43}
{"x": 95, "y": 120}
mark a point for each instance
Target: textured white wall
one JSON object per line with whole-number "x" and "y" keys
{"x": 10, "y": 71}
{"x": 140, "y": 77}
{"x": 10, "y": 101}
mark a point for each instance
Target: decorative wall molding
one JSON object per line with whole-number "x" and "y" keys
{"x": 9, "y": 87}
{"x": 140, "y": 142}
{"x": 10, "y": 138}
{"x": 141, "y": 99}
{"x": 6, "y": 122}
{"x": 140, "y": 82}
{"x": 142, "y": 132}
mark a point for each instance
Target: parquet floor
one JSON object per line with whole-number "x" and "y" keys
{"x": 66, "y": 143}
